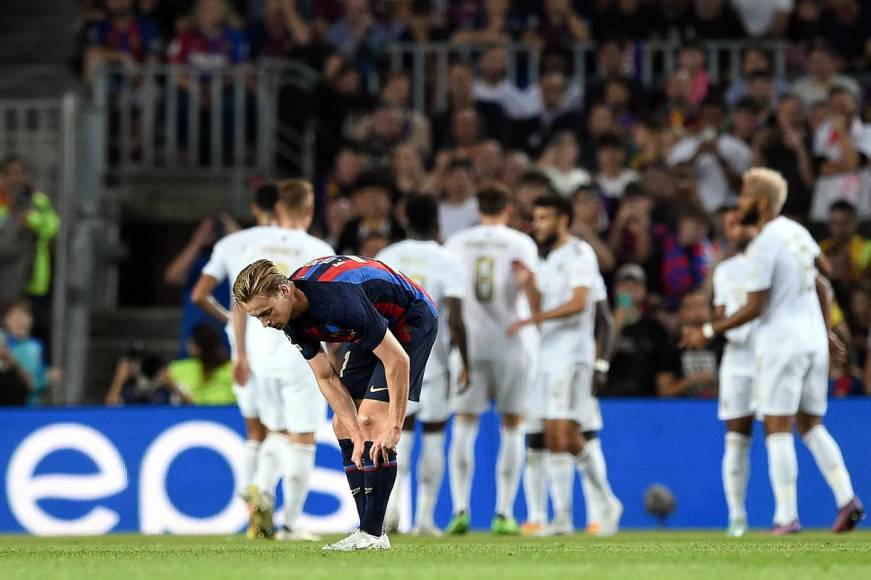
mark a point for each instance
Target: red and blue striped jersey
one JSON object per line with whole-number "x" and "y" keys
{"x": 353, "y": 299}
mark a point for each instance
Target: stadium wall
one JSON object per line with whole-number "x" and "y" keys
{"x": 173, "y": 470}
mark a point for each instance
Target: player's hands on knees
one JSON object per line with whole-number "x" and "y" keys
{"x": 357, "y": 454}
{"x": 384, "y": 444}
{"x": 241, "y": 371}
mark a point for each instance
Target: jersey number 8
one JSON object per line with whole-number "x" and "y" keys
{"x": 485, "y": 270}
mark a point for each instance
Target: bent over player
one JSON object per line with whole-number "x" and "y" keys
{"x": 790, "y": 297}
{"x": 392, "y": 324}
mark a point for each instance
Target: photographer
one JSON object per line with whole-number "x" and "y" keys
{"x": 142, "y": 379}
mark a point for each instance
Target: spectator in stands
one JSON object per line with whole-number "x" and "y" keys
{"x": 554, "y": 115}
{"x": 632, "y": 18}
{"x": 493, "y": 86}
{"x": 515, "y": 166}
{"x": 746, "y": 120}
{"x": 488, "y": 159}
{"x": 28, "y": 224}
{"x": 27, "y": 352}
{"x": 458, "y": 208}
{"x": 532, "y": 185}
{"x": 720, "y": 160}
{"x": 461, "y": 80}
{"x": 755, "y": 60}
{"x": 786, "y": 149}
{"x": 371, "y": 201}
{"x": 629, "y": 238}
{"x": 687, "y": 372}
{"x": 465, "y": 133}
{"x": 845, "y": 24}
{"x": 683, "y": 256}
{"x": 613, "y": 175}
{"x": 143, "y": 379}
{"x": 358, "y": 36}
{"x": 559, "y": 26}
{"x": 207, "y": 375}
{"x": 560, "y": 163}
{"x": 640, "y": 341}
{"x": 767, "y": 18}
{"x": 845, "y": 243}
{"x": 677, "y": 106}
{"x": 416, "y": 23}
{"x": 600, "y": 122}
{"x": 842, "y": 145}
{"x": 409, "y": 173}
{"x": 822, "y": 76}
{"x": 120, "y": 38}
{"x": 496, "y": 25}
{"x": 15, "y": 382}
{"x": 281, "y": 33}
{"x": 212, "y": 40}
{"x": 713, "y": 19}
{"x": 590, "y": 223}
{"x": 184, "y": 271}
{"x": 691, "y": 58}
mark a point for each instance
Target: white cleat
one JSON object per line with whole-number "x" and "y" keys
{"x": 610, "y": 523}
{"x": 285, "y": 534}
{"x": 426, "y": 530}
{"x": 359, "y": 540}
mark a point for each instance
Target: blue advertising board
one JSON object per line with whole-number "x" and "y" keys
{"x": 175, "y": 470}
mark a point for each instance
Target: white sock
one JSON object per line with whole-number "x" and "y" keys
{"x": 509, "y": 467}
{"x": 462, "y": 458}
{"x": 592, "y": 501}
{"x": 736, "y": 471}
{"x": 830, "y": 461}
{"x": 269, "y": 463}
{"x": 249, "y": 464}
{"x": 561, "y": 475}
{"x": 591, "y": 461}
{"x": 403, "y": 468}
{"x": 783, "y": 472}
{"x": 430, "y": 470}
{"x": 299, "y": 461}
{"x": 535, "y": 486}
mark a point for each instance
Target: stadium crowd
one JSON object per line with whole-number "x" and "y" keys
{"x": 649, "y": 169}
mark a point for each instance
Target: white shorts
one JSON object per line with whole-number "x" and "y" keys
{"x": 435, "y": 400}
{"x": 247, "y": 399}
{"x": 789, "y": 382}
{"x": 591, "y": 416}
{"x": 294, "y": 405}
{"x": 503, "y": 381}
{"x": 562, "y": 393}
{"x": 736, "y": 391}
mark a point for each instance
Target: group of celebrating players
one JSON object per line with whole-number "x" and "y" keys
{"x": 491, "y": 317}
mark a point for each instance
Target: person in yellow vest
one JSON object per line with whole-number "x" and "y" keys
{"x": 845, "y": 240}
{"x": 207, "y": 376}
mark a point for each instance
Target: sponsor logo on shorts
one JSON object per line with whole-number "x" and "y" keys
{"x": 372, "y": 389}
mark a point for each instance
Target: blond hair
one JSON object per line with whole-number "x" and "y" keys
{"x": 296, "y": 195}
{"x": 260, "y": 278}
{"x": 767, "y": 183}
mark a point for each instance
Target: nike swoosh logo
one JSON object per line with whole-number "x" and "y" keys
{"x": 372, "y": 389}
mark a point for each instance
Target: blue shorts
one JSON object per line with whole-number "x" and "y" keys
{"x": 362, "y": 372}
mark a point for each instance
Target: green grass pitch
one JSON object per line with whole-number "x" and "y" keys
{"x": 635, "y": 555}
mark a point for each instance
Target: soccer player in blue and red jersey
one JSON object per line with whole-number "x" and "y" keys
{"x": 388, "y": 324}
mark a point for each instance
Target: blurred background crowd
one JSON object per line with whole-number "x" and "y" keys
{"x": 442, "y": 97}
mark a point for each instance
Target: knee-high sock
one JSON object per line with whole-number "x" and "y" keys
{"x": 830, "y": 461}
{"x": 535, "y": 486}
{"x": 736, "y": 471}
{"x": 509, "y": 466}
{"x": 249, "y": 464}
{"x": 783, "y": 471}
{"x": 462, "y": 458}
{"x": 561, "y": 474}
{"x": 431, "y": 469}
{"x": 378, "y": 483}
{"x": 592, "y": 501}
{"x": 354, "y": 475}
{"x": 403, "y": 469}
{"x": 299, "y": 461}
{"x": 591, "y": 461}
{"x": 269, "y": 463}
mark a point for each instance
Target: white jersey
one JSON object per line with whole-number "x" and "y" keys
{"x": 783, "y": 261}
{"x": 730, "y": 292}
{"x": 441, "y": 275}
{"x": 492, "y": 296}
{"x": 270, "y": 354}
{"x": 570, "y": 339}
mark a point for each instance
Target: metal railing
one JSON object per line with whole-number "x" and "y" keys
{"x": 177, "y": 119}
{"x": 45, "y": 132}
{"x": 652, "y": 62}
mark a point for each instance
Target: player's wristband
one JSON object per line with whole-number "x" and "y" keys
{"x": 708, "y": 330}
{"x": 602, "y": 366}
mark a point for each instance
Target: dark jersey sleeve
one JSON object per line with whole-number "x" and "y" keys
{"x": 348, "y": 306}
{"x": 308, "y": 346}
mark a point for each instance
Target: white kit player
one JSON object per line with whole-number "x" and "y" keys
{"x": 737, "y": 372}
{"x": 791, "y": 300}
{"x": 496, "y": 260}
{"x": 562, "y": 395}
{"x": 288, "y": 399}
{"x": 425, "y": 261}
